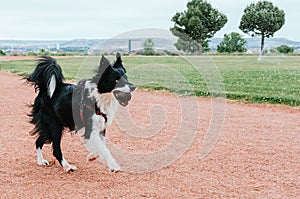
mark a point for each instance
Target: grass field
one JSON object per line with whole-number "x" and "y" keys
{"x": 270, "y": 80}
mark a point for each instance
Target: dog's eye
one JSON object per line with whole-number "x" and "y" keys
{"x": 117, "y": 81}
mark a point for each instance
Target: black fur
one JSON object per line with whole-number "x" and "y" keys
{"x": 52, "y": 115}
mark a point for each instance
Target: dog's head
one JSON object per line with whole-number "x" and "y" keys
{"x": 112, "y": 78}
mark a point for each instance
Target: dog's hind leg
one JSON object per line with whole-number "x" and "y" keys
{"x": 39, "y": 145}
{"x": 58, "y": 154}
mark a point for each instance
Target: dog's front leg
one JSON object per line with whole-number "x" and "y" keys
{"x": 93, "y": 155}
{"x": 97, "y": 147}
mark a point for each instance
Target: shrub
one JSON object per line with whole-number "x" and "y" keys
{"x": 285, "y": 49}
{"x": 2, "y": 53}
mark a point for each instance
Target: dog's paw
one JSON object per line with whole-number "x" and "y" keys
{"x": 43, "y": 162}
{"x": 114, "y": 167}
{"x": 69, "y": 168}
{"x": 91, "y": 157}
{"x": 115, "y": 171}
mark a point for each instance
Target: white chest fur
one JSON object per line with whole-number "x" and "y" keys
{"x": 107, "y": 103}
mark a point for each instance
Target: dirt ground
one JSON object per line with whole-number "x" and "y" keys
{"x": 256, "y": 156}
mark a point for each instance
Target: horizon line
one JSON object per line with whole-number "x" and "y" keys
{"x": 70, "y": 39}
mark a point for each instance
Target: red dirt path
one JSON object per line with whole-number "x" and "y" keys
{"x": 256, "y": 156}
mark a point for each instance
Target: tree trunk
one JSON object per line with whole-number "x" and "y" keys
{"x": 262, "y": 43}
{"x": 200, "y": 48}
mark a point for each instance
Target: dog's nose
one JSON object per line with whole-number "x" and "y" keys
{"x": 132, "y": 88}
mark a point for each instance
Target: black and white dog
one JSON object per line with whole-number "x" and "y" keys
{"x": 91, "y": 104}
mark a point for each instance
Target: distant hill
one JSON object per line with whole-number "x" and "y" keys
{"x": 110, "y": 45}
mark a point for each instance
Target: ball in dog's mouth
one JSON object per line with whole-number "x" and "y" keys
{"x": 122, "y": 97}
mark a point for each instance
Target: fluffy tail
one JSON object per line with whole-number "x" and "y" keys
{"x": 46, "y": 76}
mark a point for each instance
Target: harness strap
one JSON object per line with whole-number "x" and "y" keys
{"x": 98, "y": 112}
{"x": 89, "y": 106}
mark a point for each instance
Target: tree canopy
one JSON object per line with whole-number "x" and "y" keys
{"x": 199, "y": 22}
{"x": 262, "y": 19}
{"x": 191, "y": 46}
{"x": 232, "y": 42}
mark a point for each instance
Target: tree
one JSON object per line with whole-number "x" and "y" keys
{"x": 44, "y": 52}
{"x": 284, "y": 49}
{"x": 2, "y": 53}
{"x": 191, "y": 46}
{"x": 199, "y": 22}
{"x": 262, "y": 19}
{"x": 232, "y": 43}
{"x": 149, "y": 47}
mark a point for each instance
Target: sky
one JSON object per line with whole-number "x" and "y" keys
{"x": 104, "y": 19}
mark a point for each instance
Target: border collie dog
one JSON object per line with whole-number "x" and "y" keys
{"x": 91, "y": 104}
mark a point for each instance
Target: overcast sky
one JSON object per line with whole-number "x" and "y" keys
{"x": 88, "y": 19}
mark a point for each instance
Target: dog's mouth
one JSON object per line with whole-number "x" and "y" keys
{"x": 122, "y": 97}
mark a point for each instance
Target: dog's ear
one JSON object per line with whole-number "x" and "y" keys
{"x": 118, "y": 63}
{"x": 103, "y": 65}
{"x": 118, "y": 56}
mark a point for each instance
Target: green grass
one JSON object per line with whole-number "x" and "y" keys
{"x": 272, "y": 80}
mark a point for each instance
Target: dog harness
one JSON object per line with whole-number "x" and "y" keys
{"x": 88, "y": 103}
